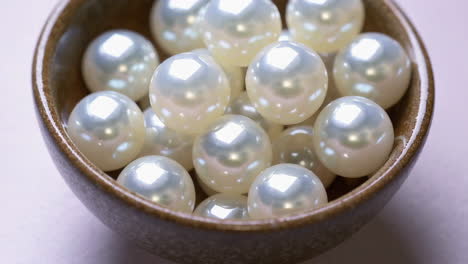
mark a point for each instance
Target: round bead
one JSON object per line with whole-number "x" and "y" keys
{"x": 224, "y": 207}
{"x": 287, "y": 82}
{"x": 325, "y": 25}
{"x": 161, "y": 180}
{"x": 285, "y": 36}
{"x": 188, "y": 92}
{"x": 174, "y": 24}
{"x": 207, "y": 190}
{"x": 374, "y": 66}
{"x": 242, "y": 106}
{"x": 296, "y": 146}
{"x": 121, "y": 61}
{"x": 235, "y": 75}
{"x": 108, "y": 129}
{"x": 231, "y": 153}
{"x": 163, "y": 141}
{"x": 332, "y": 93}
{"x": 354, "y": 136}
{"x": 285, "y": 189}
{"x": 235, "y": 31}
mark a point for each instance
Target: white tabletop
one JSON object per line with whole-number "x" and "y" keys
{"x": 426, "y": 222}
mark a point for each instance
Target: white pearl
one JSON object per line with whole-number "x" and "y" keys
{"x": 325, "y": 25}
{"x": 332, "y": 93}
{"x": 161, "y": 140}
{"x": 235, "y": 75}
{"x": 296, "y": 146}
{"x": 207, "y": 190}
{"x": 161, "y": 180}
{"x": 242, "y": 106}
{"x": 285, "y": 189}
{"x": 174, "y": 24}
{"x": 285, "y": 36}
{"x": 188, "y": 92}
{"x": 224, "y": 207}
{"x": 121, "y": 61}
{"x": 231, "y": 153}
{"x": 374, "y": 66}
{"x": 354, "y": 136}
{"x": 235, "y": 31}
{"x": 108, "y": 128}
{"x": 287, "y": 82}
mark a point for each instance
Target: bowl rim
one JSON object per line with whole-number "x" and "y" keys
{"x": 47, "y": 111}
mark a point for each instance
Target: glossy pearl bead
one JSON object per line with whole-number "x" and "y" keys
{"x": 285, "y": 36}
{"x": 242, "y": 106}
{"x": 354, "y": 136}
{"x": 374, "y": 66}
{"x": 332, "y": 93}
{"x": 231, "y": 153}
{"x": 224, "y": 207}
{"x": 108, "y": 129}
{"x": 161, "y": 180}
{"x": 287, "y": 82}
{"x": 235, "y": 75}
{"x": 161, "y": 140}
{"x": 174, "y": 24}
{"x": 121, "y": 61}
{"x": 296, "y": 146}
{"x": 325, "y": 25}
{"x": 285, "y": 189}
{"x": 188, "y": 92}
{"x": 235, "y": 31}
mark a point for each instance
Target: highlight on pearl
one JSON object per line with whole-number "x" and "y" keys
{"x": 325, "y": 25}
{"x": 353, "y": 136}
{"x": 161, "y": 180}
{"x": 174, "y": 24}
{"x": 161, "y": 140}
{"x": 295, "y": 146}
{"x": 242, "y": 106}
{"x": 231, "y": 153}
{"x": 235, "y": 31}
{"x": 224, "y": 207}
{"x": 121, "y": 61}
{"x": 285, "y": 189}
{"x": 235, "y": 75}
{"x": 188, "y": 92}
{"x": 287, "y": 82}
{"x": 108, "y": 128}
{"x": 374, "y": 66}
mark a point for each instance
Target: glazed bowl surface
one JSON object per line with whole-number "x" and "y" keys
{"x": 58, "y": 85}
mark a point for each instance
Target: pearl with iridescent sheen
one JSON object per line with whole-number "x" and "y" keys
{"x": 287, "y": 82}
{"x": 121, "y": 61}
{"x": 353, "y": 136}
{"x": 235, "y": 31}
{"x": 242, "y": 106}
{"x": 161, "y": 180}
{"x": 231, "y": 153}
{"x": 325, "y": 25}
{"x": 285, "y": 189}
{"x": 374, "y": 66}
{"x": 163, "y": 141}
{"x": 235, "y": 75}
{"x": 174, "y": 24}
{"x": 295, "y": 145}
{"x": 108, "y": 128}
{"x": 188, "y": 92}
{"x": 223, "y": 206}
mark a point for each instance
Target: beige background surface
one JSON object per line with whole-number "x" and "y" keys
{"x": 426, "y": 222}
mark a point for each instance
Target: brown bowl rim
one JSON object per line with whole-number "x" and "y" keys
{"x": 46, "y": 107}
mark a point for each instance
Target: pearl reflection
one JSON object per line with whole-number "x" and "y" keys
{"x": 234, "y": 7}
{"x": 223, "y": 207}
{"x": 184, "y": 68}
{"x": 281, "y": 58}
{"x": 284, "y": 189}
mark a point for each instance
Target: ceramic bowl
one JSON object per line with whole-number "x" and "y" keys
{"x": 58, "y": 86}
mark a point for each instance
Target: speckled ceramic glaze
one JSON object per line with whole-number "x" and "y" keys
{"x": 58, "y": 86}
